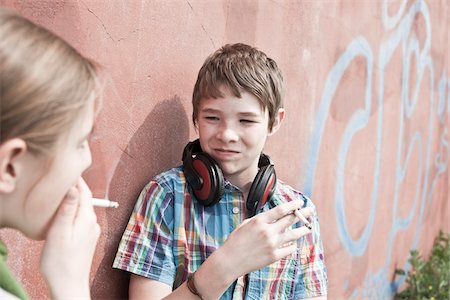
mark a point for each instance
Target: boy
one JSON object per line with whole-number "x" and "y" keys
{"x": 222, "y": 225}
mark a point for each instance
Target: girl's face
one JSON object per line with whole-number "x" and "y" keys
{"x": 50, "y": 178}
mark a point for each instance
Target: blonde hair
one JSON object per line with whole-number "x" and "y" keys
{"x": 44, "y": 83}
{"x": 239, "y": 68}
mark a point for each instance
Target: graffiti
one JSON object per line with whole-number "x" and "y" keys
{"x": 401, "y": 36}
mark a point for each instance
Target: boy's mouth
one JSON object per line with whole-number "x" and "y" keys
{"x": 225, "y": 153}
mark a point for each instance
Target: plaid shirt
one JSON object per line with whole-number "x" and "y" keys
{"x": 170, "y": 235}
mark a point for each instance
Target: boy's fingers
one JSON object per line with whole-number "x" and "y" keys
{"x": 307, "y": 212}
{"x": 284, "y": 251}
{"x": 294, "y": 234}
{"x": 290, "y": 219}
{"x": 286, "y": 221}
{"x": 281, "y": 211}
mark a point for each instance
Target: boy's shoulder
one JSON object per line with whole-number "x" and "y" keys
{"x": 170, "y": 177}
{"x": 282, "y": 187}
{"x": 284, "y": 192}
{"x": 174, "y": 173}
{"x": 168, "y": 180}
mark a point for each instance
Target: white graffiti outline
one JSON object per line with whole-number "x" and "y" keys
{"x": 378, "y": 284}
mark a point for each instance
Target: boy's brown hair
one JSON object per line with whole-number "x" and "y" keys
{"x": 240, "y": 68}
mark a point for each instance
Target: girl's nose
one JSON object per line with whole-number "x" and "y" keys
{"x": 87, "y": 157}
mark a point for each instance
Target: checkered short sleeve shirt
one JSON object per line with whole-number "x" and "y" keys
{"x": 170, "y": 234}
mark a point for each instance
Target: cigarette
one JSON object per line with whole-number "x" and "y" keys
{"x": 104, "y": 203}
{"x": 302, "y": 218}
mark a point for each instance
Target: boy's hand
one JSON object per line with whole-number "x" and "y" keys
{"x": 264, "y": 239}
{"x": 69, "y": 248}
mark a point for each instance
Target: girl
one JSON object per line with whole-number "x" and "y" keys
{"x": 48, "y": 94}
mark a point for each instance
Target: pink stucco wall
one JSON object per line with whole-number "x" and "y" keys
{"x": 366, "y": 133}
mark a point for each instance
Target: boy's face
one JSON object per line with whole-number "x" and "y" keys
{"x": 233, "y": 131}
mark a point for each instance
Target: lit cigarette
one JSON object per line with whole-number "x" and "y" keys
{"x": 104, "y": 203}
{"x": 302, "y": 218}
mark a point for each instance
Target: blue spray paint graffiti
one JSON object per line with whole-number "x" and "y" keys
{"x": 403, "y": 37}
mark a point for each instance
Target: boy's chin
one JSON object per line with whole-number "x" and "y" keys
{"x": 227, "y": 170}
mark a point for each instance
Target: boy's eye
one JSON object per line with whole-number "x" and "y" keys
{"x": 212, "y": 118}
{"x": 247, "y": 121}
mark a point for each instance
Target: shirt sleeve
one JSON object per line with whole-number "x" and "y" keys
{"x": 312, "y": 278}
{"x": 146, "y": 245}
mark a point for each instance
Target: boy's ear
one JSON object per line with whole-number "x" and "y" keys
{"x": 278, "y": 119}
{"x": 9, "y": 164}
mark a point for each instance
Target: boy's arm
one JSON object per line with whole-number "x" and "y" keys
{"x": 257, "y": 242}
{"x": 209, "y": 280}
{"x": 141, "y": 288}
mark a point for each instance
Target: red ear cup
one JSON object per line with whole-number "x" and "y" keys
{"x": 261, "y": 190}
{"x": 203, "y": 174}
{"x": 211, "y": 177}
{"x": 206, "y": 179}
{"x": 268, "y": 192}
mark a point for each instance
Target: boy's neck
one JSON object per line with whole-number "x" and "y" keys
{"x": 242, "y": 182}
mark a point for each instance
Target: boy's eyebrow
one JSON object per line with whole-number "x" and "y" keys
{"x": 210, "y": 110}
{"x": 249, "y": 114}
{"x": 243, "y": 114}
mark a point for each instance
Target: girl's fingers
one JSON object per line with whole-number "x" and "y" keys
{"x": 85, "y": 196}
{"x": 68, "y": 209}
{"x": 86, "y": 214}
{"x": 85, "y": 192}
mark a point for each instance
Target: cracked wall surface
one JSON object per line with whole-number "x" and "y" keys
{"x": 365, "y": 134}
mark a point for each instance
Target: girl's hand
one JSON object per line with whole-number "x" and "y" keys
{"x": 69, "y": 248}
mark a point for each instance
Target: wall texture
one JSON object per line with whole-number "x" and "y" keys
{"x": 366, "y": 133}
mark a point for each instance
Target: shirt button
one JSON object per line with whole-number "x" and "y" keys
{"x": 235, "y": 210}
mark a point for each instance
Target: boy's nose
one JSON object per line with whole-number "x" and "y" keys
{"x": 228, "y": 134}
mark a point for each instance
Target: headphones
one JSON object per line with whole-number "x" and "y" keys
{"x": 206, "y": 178}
